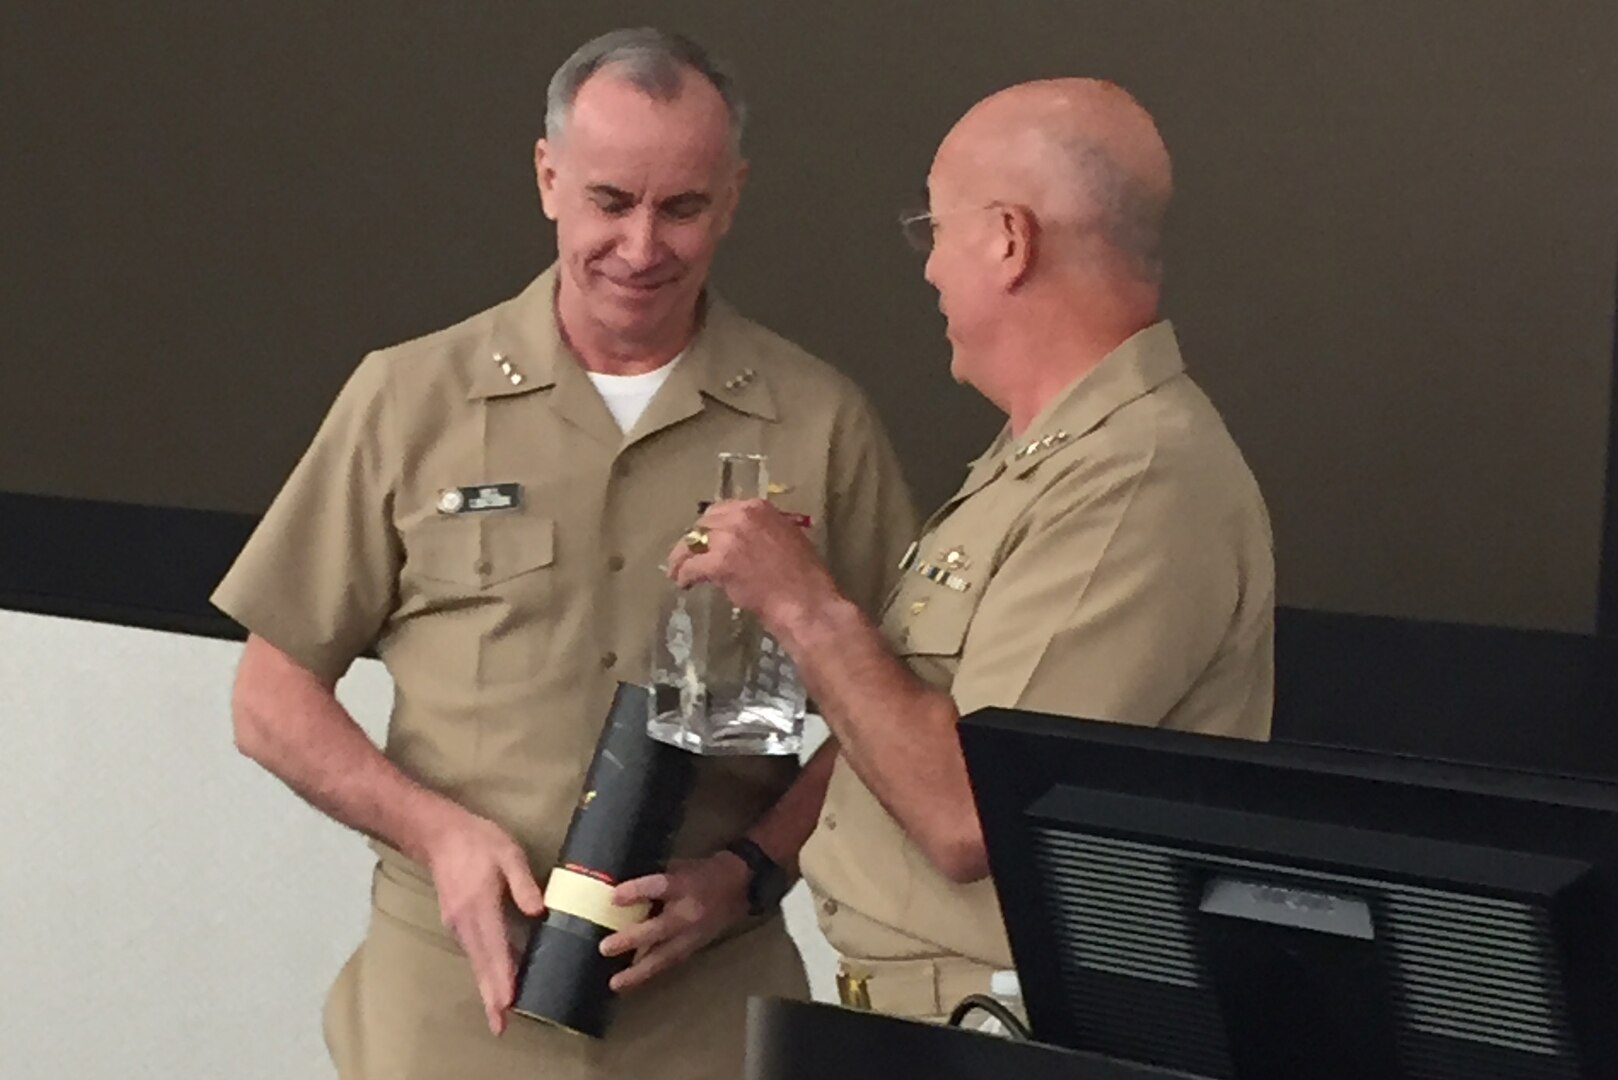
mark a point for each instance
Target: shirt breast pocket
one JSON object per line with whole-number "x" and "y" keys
{"x": 481, "y": 553}
{"x": 926, "y": 619}
{"x": 483, "y": 590}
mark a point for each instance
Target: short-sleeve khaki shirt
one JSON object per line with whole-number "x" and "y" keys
{"x": 506, "y": 627}
{"x": 1115, "y": 562}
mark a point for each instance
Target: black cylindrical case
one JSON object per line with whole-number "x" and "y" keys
{"x": 629, "y": 809}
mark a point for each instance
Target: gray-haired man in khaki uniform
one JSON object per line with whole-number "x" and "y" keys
{"x": 1109, "y": 556}
{"x": 487, "y": 507}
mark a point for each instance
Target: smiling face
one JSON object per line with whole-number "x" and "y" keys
{"x": 961, "y": 264}
{"x": 641, "y": 192}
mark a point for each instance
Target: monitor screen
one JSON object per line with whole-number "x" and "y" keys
{"x": 1258, "y": 912}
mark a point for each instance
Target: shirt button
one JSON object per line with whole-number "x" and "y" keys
{"x": 615, "y": 563}
{"x": 481, "y": 567}
{"x": 829, "y": 907}
{"x": 608, "y": 659}
{"x": 831, "y": 821}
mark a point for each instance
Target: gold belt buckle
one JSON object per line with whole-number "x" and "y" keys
{"x": 853, "y": 990}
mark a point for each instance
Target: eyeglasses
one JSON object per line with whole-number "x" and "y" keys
{"x": 920, "y": 226}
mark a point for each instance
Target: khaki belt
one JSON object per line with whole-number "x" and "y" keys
{"x": 913, "y": 988}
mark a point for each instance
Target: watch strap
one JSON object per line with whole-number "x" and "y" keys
{"x": 766, "y": 881}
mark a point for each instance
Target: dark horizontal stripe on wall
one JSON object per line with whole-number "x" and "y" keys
{"x": 1530, "y": 699}
{"x": 145, "y": 566}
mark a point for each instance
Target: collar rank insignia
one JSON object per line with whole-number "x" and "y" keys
{"x": 507, "y": 370}
{"x": 1056, "y": 438}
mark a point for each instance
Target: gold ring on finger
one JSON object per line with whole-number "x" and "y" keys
{"x": 696, "y": 541}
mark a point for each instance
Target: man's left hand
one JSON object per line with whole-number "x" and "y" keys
{"x": 698, "y": 899}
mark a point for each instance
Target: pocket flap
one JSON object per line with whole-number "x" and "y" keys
{"x": 483, "y": 551}
{"x": 930, "y": 620}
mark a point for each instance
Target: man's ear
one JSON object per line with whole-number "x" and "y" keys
{"x": 1019, "y": 233}
{"x": 545, "y": 176}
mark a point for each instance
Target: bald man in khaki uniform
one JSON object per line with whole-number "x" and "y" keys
{"x": 487, "y": 508}
{"x": 1108, "y": 557}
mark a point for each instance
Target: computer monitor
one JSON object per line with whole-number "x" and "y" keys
{"x": 1269, "y": 912}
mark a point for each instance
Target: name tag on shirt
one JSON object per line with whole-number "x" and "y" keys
{"x": 479, "y": 498}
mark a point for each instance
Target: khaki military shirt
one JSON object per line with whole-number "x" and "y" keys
{"x": 505, "y": 627}
{"x": 1114, "y": 562}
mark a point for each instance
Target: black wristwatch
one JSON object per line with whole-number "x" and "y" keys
{"x": 766, "y": 882}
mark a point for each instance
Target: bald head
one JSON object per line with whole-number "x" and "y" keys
{"x": 1077, "y": 152}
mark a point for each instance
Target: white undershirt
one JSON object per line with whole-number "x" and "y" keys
{"x": 628, "y": 395}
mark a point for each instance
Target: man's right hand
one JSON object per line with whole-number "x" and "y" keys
{"x": 474, "y": 866}
{"x": 289, "y": 720}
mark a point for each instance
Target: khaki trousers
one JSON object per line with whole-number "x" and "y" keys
{"x": 405, "y": 1007}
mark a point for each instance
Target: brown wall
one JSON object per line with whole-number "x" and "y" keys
{"x": 1392, "y": 263}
